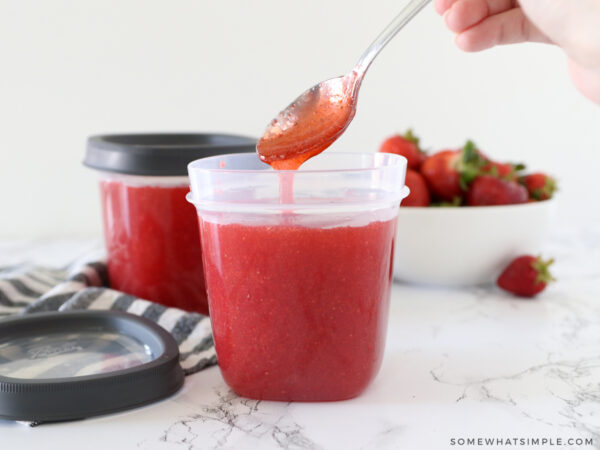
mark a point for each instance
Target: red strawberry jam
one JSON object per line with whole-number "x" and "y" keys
{"x": 298, "y": 313}
{"x": 309, "y": 125}
{"x": 153, "y": 244}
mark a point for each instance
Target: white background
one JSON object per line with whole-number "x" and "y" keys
{"x": 69, "y": 69}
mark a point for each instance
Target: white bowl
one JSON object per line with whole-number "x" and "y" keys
{"x": 465, "y": 246}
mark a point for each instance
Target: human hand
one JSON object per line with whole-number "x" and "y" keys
{"x": 572, "y": 25}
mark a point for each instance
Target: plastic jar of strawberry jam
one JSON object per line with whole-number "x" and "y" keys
{"x": 298, "y": 268}
{"x": 151, "y": 231}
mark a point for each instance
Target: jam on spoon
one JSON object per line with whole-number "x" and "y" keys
{"x": 313, "y": 121}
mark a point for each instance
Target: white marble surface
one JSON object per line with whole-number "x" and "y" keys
{"x": 464, "y": 363}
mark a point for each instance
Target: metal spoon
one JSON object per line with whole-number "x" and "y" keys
{"x": 313, "y": 121}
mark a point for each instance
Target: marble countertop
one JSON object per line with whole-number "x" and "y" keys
{"x": 459, "y": 364}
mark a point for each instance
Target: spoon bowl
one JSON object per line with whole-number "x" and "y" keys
{"x": 313, "y": 121}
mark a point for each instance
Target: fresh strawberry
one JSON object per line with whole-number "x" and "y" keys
{"x": 419, "y": 193}
{"x": 449, "y": 173}
{"x": 526, "y": 276}
{"x": 489, "y": 190}
{"x": 406, "y": 145}
{"x": 506, "y": 171}
{"x": 422, "y": 157}
{"x": 441, "y": 175}
{"x": 539, "y": 185}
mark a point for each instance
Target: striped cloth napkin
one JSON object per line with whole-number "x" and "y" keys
{"x": 27, "y": 289}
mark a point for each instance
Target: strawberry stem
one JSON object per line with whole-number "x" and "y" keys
{"x": 411, "y": 137}
{"x": 542, "y": 269}
{"x": 469, "y": 164}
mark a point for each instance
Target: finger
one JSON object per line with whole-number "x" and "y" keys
{"x": 441, "y": 6}
{"x": 509, "y": 27}
{"x": 466, "y": 13}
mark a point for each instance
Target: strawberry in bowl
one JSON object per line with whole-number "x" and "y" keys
{"x": 419, "y": 192}
{"x": 489, "y": 190}
{"x": 406, "y": 145}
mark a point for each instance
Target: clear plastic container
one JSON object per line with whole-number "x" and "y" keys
{"x": 298, "y": 285}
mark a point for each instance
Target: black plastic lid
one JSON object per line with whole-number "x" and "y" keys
{"x": 159, "y": 154}
{"x": 72, "y": 365}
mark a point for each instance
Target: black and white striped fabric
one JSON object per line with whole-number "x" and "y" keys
{"x": 28, "y": 289}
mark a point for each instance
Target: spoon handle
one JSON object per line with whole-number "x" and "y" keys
{"x": 407, "y": 13}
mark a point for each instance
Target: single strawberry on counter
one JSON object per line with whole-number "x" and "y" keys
{"x": 406, "y": 145}
{"x": 488, "y": 190}
{"x": 526, "y": 276}
{"x": 450, "y": 172}
{"x": 539, "y": 185}
{"x": 419, "y": 193}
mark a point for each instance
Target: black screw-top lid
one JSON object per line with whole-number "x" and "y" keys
{"x": 72, "y": 365}
{"x": 164, "y": 154}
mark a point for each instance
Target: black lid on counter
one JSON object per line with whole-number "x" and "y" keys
{"x": 159, "y": 154}
{"x": 72, "y": 365}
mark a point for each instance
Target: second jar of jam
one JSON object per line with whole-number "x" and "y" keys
{"x": 151, "y": 232}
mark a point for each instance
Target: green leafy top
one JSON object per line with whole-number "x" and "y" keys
{"x": 542, "y": 269}
{"x": 469, "y": 164}
{"x": 409, "y": 136}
